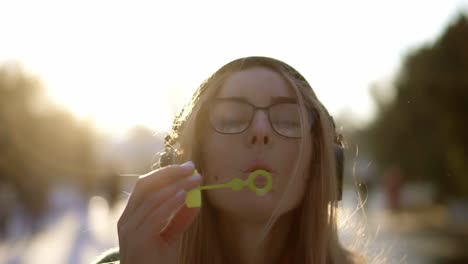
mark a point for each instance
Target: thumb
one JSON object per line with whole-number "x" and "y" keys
{"x": 179, "y": 223}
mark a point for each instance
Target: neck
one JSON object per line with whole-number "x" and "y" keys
{"x": 240, "y": 237}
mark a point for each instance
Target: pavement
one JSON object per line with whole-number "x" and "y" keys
{"x": 76, "y": 231}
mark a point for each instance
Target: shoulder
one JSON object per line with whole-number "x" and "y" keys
{"x": 108, "y": 256}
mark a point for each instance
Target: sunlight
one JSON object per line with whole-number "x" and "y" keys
{"x": 121, "y": 64}
{"x": 117, "y": 104}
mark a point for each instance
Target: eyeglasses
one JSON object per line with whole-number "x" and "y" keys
{"x": 233, "y": 116}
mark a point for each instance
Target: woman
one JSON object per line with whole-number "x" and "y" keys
{"x": 253, "y": 113}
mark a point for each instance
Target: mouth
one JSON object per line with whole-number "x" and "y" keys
{"x": 257, "y": 165}
{"x": 254, "y": 165}
{"x": 260, "y": 182}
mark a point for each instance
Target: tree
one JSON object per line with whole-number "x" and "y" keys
{"x": 425, "y": 128}
{"x": 40, "y": 143}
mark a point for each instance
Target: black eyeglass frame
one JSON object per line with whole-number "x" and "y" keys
{"x": 255, "y": 109}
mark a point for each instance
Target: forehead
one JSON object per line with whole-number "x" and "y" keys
{"x": 258, "y": 85}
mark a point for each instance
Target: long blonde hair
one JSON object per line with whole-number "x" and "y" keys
{"x": 314, "y": 234}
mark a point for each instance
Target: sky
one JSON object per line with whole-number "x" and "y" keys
{"x": 122, "y": 63}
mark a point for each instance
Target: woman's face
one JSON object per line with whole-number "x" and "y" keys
{"x": 259, "y": 146}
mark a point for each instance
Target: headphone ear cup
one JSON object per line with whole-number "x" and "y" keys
{"x": 339, "y": 156}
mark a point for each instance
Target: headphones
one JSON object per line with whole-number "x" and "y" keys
{"x": 339, "y": 157}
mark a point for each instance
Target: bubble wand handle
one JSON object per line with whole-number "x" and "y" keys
{"x": 214, "y": 186}
{"x": 235, "y": 184}
{"x": 193, "y": 198}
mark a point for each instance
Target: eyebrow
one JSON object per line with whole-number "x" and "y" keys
{"x": 273, "y": 99}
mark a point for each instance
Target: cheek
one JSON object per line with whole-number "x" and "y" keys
{"x": 298, "y": 186}
{"x": 285, "y": 158}
{"x": 289, "y": 153}
{"x": 220, "y": 156}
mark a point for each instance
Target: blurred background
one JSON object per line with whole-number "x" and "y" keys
{"x": 88, "y": 90}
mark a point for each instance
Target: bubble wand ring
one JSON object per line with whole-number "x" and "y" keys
{"x": 193, "y": 198}
{"x": 254, "y": 188}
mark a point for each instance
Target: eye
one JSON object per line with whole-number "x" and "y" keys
{"x": 231, "y": 122}
{"x": 288, "y": 123}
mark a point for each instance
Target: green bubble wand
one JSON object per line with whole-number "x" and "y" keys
{"x": 193, "y": 198}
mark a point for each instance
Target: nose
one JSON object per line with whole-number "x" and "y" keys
{"x": 260, "y": 130}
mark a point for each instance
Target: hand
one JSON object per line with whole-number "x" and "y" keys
{"x": 146, "y": 234}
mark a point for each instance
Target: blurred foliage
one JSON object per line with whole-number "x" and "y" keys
{"x": 424, "y": 129}
{"x": 40, "y": 143}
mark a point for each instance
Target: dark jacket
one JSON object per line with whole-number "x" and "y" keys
{"x": 109, "y": 256}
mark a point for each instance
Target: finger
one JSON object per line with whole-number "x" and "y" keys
{"x": 156, "y": 180}
{"x": 181, "y": 221}
{"x": 159, "y": 198}
{"x": 157, "y": 219}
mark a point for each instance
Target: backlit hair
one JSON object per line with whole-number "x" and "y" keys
{"x": 314, "y": 237}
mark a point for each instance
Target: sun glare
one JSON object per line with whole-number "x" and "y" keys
{"x": 122, "y": 64}
{"x": 117, "y": 104}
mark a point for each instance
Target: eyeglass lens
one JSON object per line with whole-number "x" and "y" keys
{"x": 232, "y": 117}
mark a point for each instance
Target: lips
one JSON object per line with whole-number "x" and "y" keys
{"x": 257, "y": 165}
